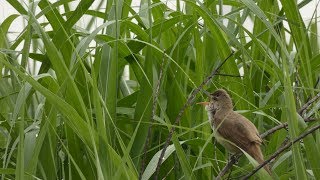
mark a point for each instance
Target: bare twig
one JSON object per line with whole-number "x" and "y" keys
{"x": 154, "y": 108}
{"x": 229, "y": 174}
{"x": 306, "y": 105}
{"x": 276, "y": 128}
{"x": 229, "y": 75}
{"x": 279, "y": 151}
{"x": 228, "y": 166}
{"x": 189, "y": 100}
{"x": 308, "y": 99}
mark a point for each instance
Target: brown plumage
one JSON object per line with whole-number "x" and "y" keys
{"x": 229, "y": 126}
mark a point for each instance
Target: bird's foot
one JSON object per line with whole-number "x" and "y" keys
{"x": 233, "y": 158}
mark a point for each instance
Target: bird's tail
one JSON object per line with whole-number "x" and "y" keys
{"x": 256, "y": 153}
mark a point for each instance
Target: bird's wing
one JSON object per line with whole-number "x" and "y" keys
{"x": 240, "y": 131}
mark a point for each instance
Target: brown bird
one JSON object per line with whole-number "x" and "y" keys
{"x": 233, "y": 130}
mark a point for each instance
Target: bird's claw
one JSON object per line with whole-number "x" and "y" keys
{"x": 234, "y": 159}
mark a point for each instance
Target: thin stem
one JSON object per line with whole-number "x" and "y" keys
{"x": 276, "y": 128}
{"x": 306, "y": 105}
{"x": 228, "y": 166}
{"x": 154, "y": 108}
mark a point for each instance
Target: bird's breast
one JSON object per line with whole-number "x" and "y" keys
{"x": 223, "y": 141}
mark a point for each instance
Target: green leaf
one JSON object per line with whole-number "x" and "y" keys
{"x": 152, "y": 165}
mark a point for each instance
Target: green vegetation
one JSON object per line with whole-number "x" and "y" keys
{"x": 78, "y": 117}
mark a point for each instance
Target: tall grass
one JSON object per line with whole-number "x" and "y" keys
{"x": 78, "y": 117}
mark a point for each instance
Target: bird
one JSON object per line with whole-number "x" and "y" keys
{"x": 232, "y": 130}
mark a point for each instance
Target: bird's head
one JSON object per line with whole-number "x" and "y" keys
{"x": 219, "y": 100}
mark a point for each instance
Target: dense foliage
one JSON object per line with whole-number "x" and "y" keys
{"x": 67, "y": 111}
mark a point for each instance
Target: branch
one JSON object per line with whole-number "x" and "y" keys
{"x": 306, "y": 105}
{"x": 229, "y": 75}
{"x": 276, "y": 128}
{"x": 154, "y": 108}
{"x": 234, "y": 158}
{"x": 189, "y": 100}
{"x": 279, "y": 151}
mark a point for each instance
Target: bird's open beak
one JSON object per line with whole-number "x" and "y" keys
{"x": 203, "y": 103}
